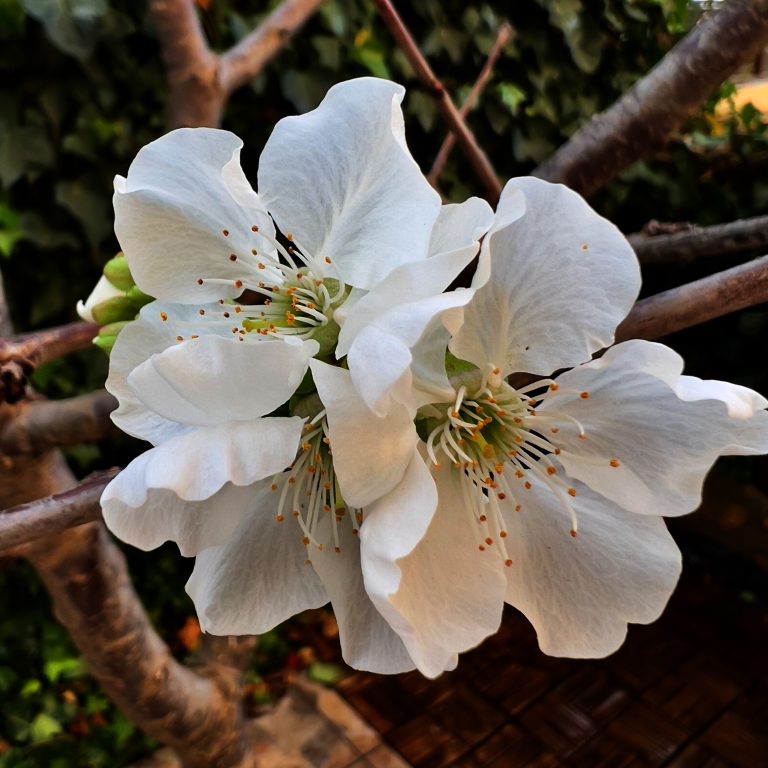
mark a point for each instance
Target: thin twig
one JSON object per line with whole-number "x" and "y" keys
{"x": 244, "y": 61}
{"x": 53, "y": 514}
{"x": 38, "y": 425}
{"x": 714, "y": 296}
{"x": 502, "y": 38}
{"x": 697, "y": 242}
{"x": 41, "y": 347}
{"x": 451, "y": 115}
{"x": 646, "y": 116}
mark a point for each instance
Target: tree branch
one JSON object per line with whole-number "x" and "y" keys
{"x": 93, "y": 598}
{"x": 692, "y": 244}
{"x": 200, "y": 81}
{"x": 728, "y": 291}
{"x": 244, "y": 61}
{"x": 477, "y": 158}
{"x": 53, "y": 514}
{"x": 502, "y": 38}
{"x": 659, "y": 104}
{"x": 39, "y": 425}
{"x": 195, "y": 96}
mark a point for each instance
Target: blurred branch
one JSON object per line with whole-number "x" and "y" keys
{"x": 728, "y": 291}
{"x": 38, "y": 425}
{"x": 5, "y": 319}
{"x": 696, "y": 242}
{"x": 198, "y": 717}
{"x": 53, "y": 514}
{"x": 655, "y": 107}
{"x": 502, "y": 38}
{"x": 41, "y": 347}
{"x": 244, "y": 61}
{"x": 199, "y": 80}
{"x": 477, "y": 158}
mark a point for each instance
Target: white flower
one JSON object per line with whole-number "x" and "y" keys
{"x": 548, "y": 496}
{"x": 360, "y": 251}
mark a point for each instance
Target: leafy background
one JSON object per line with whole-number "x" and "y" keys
{"x": 83, "y": 89}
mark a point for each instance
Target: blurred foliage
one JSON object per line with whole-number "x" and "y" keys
{"x": 83, "y": 88}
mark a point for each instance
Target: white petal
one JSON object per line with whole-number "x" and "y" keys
{"x": 580, "y": 593}
{"x": 258, "y": 578}
{"x": 194, "y": 488}
{"x": 102, "y": 291}
{"x": 430, "y": 383}
{"x": 209, "y": 380}
{"x": 450, "y": 594}
{"x": 367, "y": 641}
{"x": 144, "y": 337}
{"x": 562, "y": 278}
{"x": 665, "y": 444}
{"x": 460, "y": 226}
{"x": 341, "y": 180}
{"x": 370, "y": 453}
{"x": 183, "y": 209}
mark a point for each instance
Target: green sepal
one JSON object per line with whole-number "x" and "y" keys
{"x": 108, "y": 335}
{"x": 138, "y": 297}
{"x": 117, "y": 272}
{"x": 114, "y": 310}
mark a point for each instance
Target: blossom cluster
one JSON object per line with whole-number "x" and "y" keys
{"x": 333, "y": 420}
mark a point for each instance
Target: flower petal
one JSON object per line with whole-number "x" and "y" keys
{"x": 194, "y": 488}
{"x": 580, "y": 593}
{"x": 450, "y": 595}
{"x": 341, "y": 180}
{"x": 370, "y": 453}
{"x": 139, "y": 340}
{"x": 562, "y": 278}
{"x": 209, "y": 380}
{"x": 367, "y": 641}
{"x": 634, "y": 416}
{"x": 257, "y": 578}
{"x": 183, "y": 209}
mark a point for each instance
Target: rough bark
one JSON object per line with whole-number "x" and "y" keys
{"x": 659, "y": 104}
{"x": 697, "y": 242}
{"x": 695, "y": 303}
{"x": 199, "y": 80}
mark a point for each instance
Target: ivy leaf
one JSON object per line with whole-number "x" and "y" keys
{"x": 71, "y": 25}
{"x": 43, "y": 727}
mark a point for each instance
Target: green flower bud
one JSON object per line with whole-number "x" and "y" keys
{"x": 117, "y": 272}
{"x": 113, "y": 310}
{"x": 108, "y": 335}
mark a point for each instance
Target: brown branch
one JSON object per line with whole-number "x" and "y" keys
{"x": 244, "y": 61}
{"x": 41, "y": 347}
{"x": 93, "y": 598}
{"x": 199, "y": 80}
{"x": 477, "y": 158}
{"x": 659, "y": 104}
{"x": 53, "y": 514}
{"x": 714, "y": 296}
{"x": 694, "y": 243}
{"x": 502, "y": 38}
{"x": 38, "y": 425}
{"x": 6, "y": 329}
{"x": 195, "y": 96}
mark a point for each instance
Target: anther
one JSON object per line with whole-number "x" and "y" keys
{"x": 164, "y": 316}
{"x": 225, "y": 232}
{"x": 614, "y": 463}
{"x": 254, "y": 228}
{"x": 573, "y": 533}
{"x": 233, "y": 257}
{"x": 200, "y": 281}
{"x": 584, "y": 395}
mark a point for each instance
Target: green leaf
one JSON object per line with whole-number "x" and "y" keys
{"x": 7, "y": 679}
{"x": 30, "y": 688}
{"x": 325, "y": 674}
{"x": 43, "y": 727}
{"x": 90, "y": 208}
{"x": 511, "y": 96}
{"x": 23, "y": 148}
{"x": 10, "y": 229}
{"x": 58, "y": 668}
{"x": 71, "y": 25}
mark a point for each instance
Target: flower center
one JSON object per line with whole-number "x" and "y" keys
{"x": 309, "y": 490}
{"x": 499, "y": 442}
{"x": 282, "y": 294}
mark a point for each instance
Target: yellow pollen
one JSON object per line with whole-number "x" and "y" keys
{"x": 554, "y": 387}
{"x": 496, "y": 371}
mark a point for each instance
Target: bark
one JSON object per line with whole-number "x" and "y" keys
{"x": 199, "y": 716}
{"x": 39, "y": 425}
{"x": 714, "y": 296}
{"x": 697, "y": 242}
{"x": 659, "y": 104}
{"x": 199, "y": 80}
{"x": 477, "y": 158}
